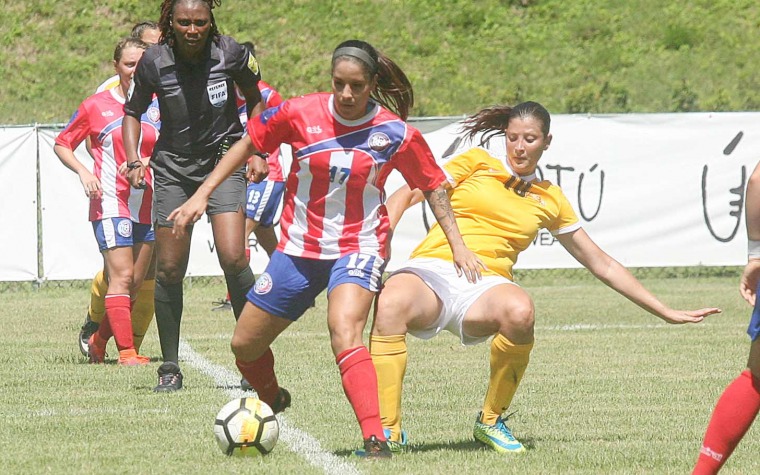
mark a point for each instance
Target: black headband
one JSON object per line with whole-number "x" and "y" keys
{"x": 356, "y": 53}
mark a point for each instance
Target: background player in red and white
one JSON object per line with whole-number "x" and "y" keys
{"x": 739, "y": 404}
{"x": 263, "y": 198}
{"x": 148, "y": 32}
{"x": 334, "y": 226}
{"x": 120, "y": 215}
{"x": 142, "y": 307}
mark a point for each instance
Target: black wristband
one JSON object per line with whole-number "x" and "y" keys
{"x": 133, "y": 165}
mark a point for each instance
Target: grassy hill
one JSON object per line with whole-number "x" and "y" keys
{"x": 573, "y": 56}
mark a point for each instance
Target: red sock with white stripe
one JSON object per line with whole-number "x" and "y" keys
{"x": 360, "y": 385}
{"x": 119, "y": 318}
{"x": 733, "y": 415}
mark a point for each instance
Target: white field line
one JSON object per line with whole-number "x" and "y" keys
{"x": 591, "y": 326}
{"x": 297, "y": 440}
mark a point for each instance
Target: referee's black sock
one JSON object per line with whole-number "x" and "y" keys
{"x": 238, "y": 286}
{"x": 169, "y": 305}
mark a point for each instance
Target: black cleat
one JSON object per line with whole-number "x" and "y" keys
{"x": 282, "y": 401}
{"x": 223, "y": 304}
{"x": 88, "y": 329}
{"x": 169, "y": 378}
{"x": 245, "y": 385}
{"x": 375, "y": 449}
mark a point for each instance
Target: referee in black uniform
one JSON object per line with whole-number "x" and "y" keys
{"x": 193, "y": 71}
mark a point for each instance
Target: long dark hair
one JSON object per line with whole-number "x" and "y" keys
{"x": 394, "y": 91}
{"x": 494, "y": 120}
{"x": 165, "y": 21}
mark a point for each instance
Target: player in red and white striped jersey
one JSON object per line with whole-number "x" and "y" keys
{"x": 121, "y": 215}
{"x": 143, "y": 305}
{"x": 335, "y": 228}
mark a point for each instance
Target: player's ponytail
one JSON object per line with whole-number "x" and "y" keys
{"x": 493, "y": 121}
{"x": 393, "y": 91}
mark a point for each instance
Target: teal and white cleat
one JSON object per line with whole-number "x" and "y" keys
{"x": 497, "y": 436}
{"x": 397, "y": 446}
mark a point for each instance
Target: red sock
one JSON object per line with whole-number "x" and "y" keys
{"x": 360, "y": 385}
{"x": 104, "y": 330}
{"x": 732, "y": 417}
{"x": 260, "y": 374}
{"x": 120, "y": 320}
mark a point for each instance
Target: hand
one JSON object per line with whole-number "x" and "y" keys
{"x": 749, "y": 280}
{"x": 92, "y": 188}
{"x": 258, "y": 168}
{"x": 136, "y": 174}
{"x": 188, "y": 214}
{"x": 678, "y": 317}
{"x": 468, "y": 263}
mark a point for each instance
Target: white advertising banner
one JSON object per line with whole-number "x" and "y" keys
{"x": 651, "y": 189}
{"x": 18, "y": 204}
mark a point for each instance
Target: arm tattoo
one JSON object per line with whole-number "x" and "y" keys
{"x": 439, "y": 203}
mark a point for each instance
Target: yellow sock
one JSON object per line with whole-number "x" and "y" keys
{"x": 508, "y": 363}
{"x": 389, "y": 357}
{"x": 98, "y": 292}
{"x": 142, "y": 311}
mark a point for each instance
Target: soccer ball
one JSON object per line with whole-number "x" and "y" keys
{"x": 246, "y": 427}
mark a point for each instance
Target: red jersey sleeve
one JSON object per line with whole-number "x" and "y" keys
{"x": 417, "y": 164}
{"x": 76, "y": 130}
{"x": 271, "y": 128}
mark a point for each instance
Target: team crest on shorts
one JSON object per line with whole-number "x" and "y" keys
{"x": 124, "y": 228}
{"x": 153, "y": 114}
{"x": 263, "y": 284}
{"x": 379, "y": 141}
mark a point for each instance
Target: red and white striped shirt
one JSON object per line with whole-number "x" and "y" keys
{"x": 100, "y": 117}
{"x": 334, "y": 199}
{"x": 271, "y": 98}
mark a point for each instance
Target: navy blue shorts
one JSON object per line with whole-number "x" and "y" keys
{"x": 289, "y": 285}
{"x": 262, "y": 201}
{"x": 121, "y": 232}
{"x": 754, "y": 324}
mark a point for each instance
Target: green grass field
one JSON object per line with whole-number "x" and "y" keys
{"x": 609, "y": 389}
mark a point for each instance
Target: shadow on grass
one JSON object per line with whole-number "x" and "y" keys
{"x": 464, "y": 445}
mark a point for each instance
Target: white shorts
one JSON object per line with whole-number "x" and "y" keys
{"x": 456, "y": 294}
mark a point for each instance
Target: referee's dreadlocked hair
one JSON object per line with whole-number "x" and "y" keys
{"x": 167, "y": 10}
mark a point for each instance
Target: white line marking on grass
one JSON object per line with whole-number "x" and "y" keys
{"x": 297, "y": 440}
{"x": 591, "y": 326}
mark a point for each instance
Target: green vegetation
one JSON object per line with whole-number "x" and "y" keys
{"x": 573, "y": 56}
{"x": 609, "y": 390}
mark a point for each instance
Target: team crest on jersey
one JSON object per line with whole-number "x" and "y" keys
{"x": 217, "y": 93}
{"x": 263, "y": 284}
{"x": 124, "y": 228}
{"x": 153, "y": 114}
{"x": 253, "y": 65}
{"x": 379, "y": 141}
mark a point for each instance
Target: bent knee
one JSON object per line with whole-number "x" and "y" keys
{"x": 518, "y": 320}
{"x": 392, "y": 315}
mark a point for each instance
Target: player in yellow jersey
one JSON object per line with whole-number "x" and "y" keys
{"x": 499, "y": 205}
{"x": 142, "y": 307}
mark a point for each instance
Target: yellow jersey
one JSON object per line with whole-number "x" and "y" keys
{"x": 498, "y": 214}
